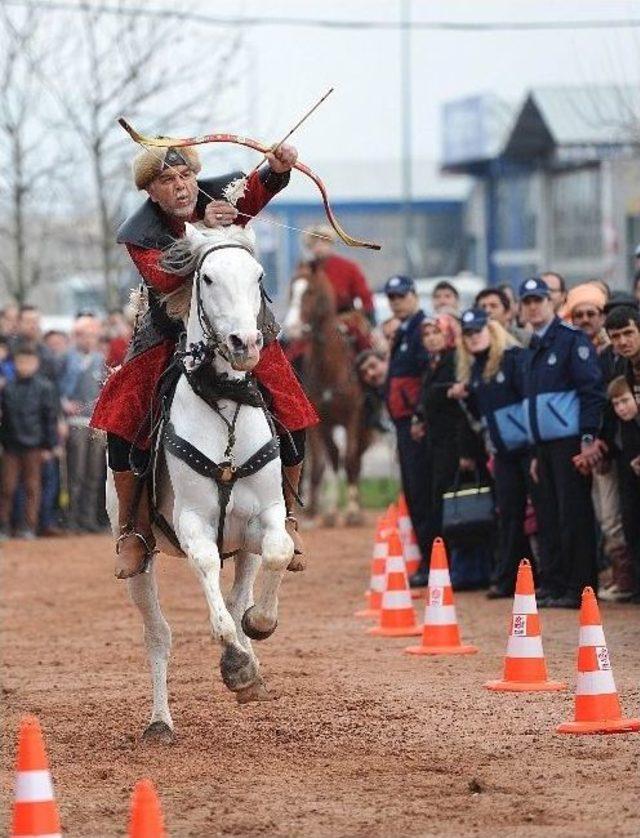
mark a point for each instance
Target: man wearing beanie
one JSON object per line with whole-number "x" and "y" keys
{"x": 175, "y": 196}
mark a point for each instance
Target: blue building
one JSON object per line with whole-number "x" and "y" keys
{"x": 556, "y": 182}
{"x": 366, "y": 198}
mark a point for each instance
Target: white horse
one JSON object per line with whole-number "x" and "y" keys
{"x": 222, "y": 323}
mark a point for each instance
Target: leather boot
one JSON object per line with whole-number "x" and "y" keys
{"x": 293, "y": 474}
{"x": 135, "y": 546}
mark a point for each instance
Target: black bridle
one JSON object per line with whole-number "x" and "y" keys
{"x": 213, "y": 343}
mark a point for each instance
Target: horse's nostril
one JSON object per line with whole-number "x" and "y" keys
{"x": 236, "y": 343}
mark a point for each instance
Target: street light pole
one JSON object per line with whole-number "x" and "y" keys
{"x": 405, "y": 98}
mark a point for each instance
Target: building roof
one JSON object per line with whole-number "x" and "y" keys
{"x": 589, "y": 115}
{"x": 573, "y": 122}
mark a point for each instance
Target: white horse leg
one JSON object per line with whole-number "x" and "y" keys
{"x": 237, "y": 666}
{"x": 260, "y": 621}
{"x": 143, "y": 591}
{"x": 240, "y": 597}
{"x": 239, "y": 600}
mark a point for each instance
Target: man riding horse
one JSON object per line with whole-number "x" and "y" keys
{"x": 123, "y": 409}
{"x": 350, "y": 286}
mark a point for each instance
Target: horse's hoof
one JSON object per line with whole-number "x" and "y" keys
{"x": 158, "y": 732}
{"x": 354, "y": 519}
{"x": 330, "y": 519}
{"x": 252, "y": 631}
{"x": 238, "y": 668}
{"x": 296, "y": 564}
{"x": 254, "y": 692}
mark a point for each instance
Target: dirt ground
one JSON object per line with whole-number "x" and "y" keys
{"x": 359, "y": 740}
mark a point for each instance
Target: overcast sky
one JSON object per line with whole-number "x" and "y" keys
{"x": 293, "y": 66}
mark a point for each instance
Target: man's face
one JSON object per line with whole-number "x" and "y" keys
{"x": 625, "y": 341}
{"x": 589, "y": 318}
{"x": 625, "y": 406}
{"x": 26, "y": 365}
{"x": 175, "y": 191}
{"x": 29, "y": 325}
{"x": 403, "y": 305}
{"x": 10, "y": 317}
{"x": 86, "y": 335}
{"x": 57, "y": 343}
{"x": 557, "y": 295}
{"x": 537, "y": 310}
{"x": 444, "y": 298}
{"x": 317, "y": 247}
{"x": 492, "y": 304}
{"x": 373, "y": 371}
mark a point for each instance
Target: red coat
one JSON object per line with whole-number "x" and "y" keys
{"x": 126, "y": 396}
{"x": 348, "y": 282}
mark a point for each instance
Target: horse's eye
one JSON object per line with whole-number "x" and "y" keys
{"x": 207, "y": 279}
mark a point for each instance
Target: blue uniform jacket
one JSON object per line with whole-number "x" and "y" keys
{"x": 563, "y": 386}
{"x": 499, "y": 401}
{"x": 407, "y": 362}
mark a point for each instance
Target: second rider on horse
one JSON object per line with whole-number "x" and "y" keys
{"x": 175, "y": 197}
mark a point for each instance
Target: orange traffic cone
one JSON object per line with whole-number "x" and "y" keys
{"x": 404, "y": 520}
{"x": 34, "y": 811}
{"x": 397, "y": 617}
{"x": 146, "y": 819}
{"x": 525, "y": 669}
{"x": 597, "y": 706}
{"x": 378, "y": 566}
{"x": 440, "y": 635}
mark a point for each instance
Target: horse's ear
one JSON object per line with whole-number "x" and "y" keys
{"x": 193, "y": 234}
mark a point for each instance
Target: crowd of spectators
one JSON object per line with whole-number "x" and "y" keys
{"x": 52, "y": 465}
{"x": 536, "y": 395}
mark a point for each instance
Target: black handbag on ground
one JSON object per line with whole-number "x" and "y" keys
{"x": 468, "y": 512}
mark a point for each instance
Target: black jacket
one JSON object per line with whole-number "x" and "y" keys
{"x": 440, "y": 414}
{"x": 29, "y": 414}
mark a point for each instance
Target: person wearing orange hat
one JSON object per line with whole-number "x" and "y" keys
{"x": 175, "y": 196}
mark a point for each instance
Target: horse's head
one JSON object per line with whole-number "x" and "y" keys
{"x": 312, "y": 301}
{"x": 226, "y": 294}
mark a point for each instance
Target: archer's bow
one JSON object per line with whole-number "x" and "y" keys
{"x": 175, "y": 142}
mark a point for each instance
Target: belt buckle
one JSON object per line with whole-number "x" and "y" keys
{"x": 227, "y": 470}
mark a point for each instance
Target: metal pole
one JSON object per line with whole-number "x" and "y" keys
{"x": 405, "y": 98}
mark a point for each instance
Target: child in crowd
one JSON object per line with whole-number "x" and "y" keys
{"x": 28, "y": 408}
{"x": 627, "y": 439}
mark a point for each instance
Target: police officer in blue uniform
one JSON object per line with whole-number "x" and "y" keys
{"x": 493, "y": 392}
{"x": 407, "y": 362}
{"x": 563, "y": 405}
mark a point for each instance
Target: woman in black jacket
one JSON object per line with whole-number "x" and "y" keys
{"x": 437, "y": 417}
{"x": 489, "y": 372}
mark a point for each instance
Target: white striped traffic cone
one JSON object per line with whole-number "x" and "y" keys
{"x": 378, "y": 569}
{"x": 440, "y": 635}
{"x": 525, "y": 669}
{"x": 34, "y": 811}
{"x": 397, "y": 617}
{"x": 597, "y": 706}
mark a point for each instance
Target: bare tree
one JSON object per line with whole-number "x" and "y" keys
{"x": 148, "y": 69}
{"x": 29, "y": 165}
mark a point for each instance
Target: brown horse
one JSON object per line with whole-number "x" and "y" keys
{"x": 325, "y": 359}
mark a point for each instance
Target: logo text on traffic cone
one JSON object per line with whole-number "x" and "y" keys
{"x": 597, "y": 706}
{"x": 440, "y": 635}
{"x": 525, "y": 669}
{"x": 34, "y": 810}
{"x": 397, "y": 617}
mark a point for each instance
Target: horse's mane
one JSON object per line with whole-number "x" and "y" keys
{"x": 182, "y": 257}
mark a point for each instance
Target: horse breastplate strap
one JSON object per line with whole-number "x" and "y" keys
{"x": 223, "y": 473}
